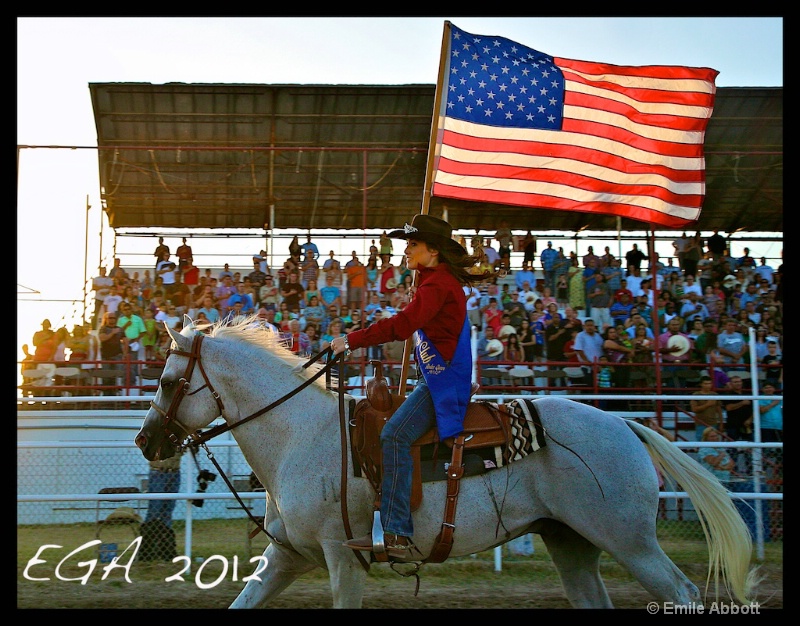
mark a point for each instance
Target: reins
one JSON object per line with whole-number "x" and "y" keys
{"x": 223, "y": 428}
{"x": 195, "y": 440}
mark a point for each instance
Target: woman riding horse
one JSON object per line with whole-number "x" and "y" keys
{"x": 437, "y": 316}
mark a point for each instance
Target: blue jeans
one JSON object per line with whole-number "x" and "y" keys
{"x": 414, "y": 418}
{"x": 162, "y": 482}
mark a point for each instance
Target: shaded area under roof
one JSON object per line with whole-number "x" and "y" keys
{"x": 231, "y": 156}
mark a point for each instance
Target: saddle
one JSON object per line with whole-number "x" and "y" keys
{"x": 486, "y": 425}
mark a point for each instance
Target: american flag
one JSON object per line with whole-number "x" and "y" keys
{"x": 519, "y": 127}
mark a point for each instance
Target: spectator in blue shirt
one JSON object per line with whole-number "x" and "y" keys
{"x": 620, "y": 310}
{"x": 525, "y": 274}
{"x": 330, "y": 294}
{"x": 549, "y": 258}
{"x": 309, "y": 245}
{"x": 613, "y": 274}
{"x": 771, "y": 422}
{"x": 589, "y": 280}
{"x": 248, "y": 307}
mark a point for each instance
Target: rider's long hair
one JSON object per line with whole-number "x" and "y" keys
{"x": 460, "y": 265}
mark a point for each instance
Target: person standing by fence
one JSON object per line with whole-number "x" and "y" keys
{"x": 158, "y": 538}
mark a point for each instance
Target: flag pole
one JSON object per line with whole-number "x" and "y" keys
{"x": 433, "y": 152}
{"x": 651, "y": 249}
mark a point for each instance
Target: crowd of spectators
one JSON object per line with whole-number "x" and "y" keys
{"x": 563, "y": 313}
{"x": 697, "y": 311}
{"x": 307, "y": 299}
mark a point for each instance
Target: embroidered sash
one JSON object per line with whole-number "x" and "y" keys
{"x": 450, "y": 385}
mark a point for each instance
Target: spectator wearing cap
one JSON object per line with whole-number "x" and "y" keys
{"x": 623, "y": 289}
{"x": 620, "y": 310}
{"x": 549, "y": 259}
{"x": 386, "y": 308}
{"x": 355, "y": 321}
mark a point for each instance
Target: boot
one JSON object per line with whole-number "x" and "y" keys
{"x": 362, "y": 543}
{"x": 397, "y": 547}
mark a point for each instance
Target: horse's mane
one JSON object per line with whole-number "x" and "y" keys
{"x": 252, "y": 330}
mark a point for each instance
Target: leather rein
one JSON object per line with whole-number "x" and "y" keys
{"x": 197, "y": 439}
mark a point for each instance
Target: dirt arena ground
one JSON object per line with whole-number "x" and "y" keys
{"x": 385, "y": 590}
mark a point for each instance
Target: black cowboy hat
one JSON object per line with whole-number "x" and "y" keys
{"x": 431, "y": 230}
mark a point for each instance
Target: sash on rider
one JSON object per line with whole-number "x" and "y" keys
{"x": 450, "y": 384}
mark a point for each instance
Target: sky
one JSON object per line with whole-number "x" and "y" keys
{"x": 59, "y": 238}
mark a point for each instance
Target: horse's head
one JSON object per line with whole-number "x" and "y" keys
{"x": 185, "y": 401}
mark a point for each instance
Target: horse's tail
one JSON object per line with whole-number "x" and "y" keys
{"x": 729, "y": 542}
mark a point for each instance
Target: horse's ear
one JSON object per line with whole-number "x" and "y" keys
{"x": 184, "y": 343}
{"x": 187, "y": 321}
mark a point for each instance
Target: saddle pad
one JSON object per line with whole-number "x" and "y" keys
{"x": 527, "y": 432}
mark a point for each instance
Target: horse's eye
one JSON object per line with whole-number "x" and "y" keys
{"x": 165, "y": 384}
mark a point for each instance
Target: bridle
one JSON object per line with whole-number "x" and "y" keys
{"x": 198, "y": 439}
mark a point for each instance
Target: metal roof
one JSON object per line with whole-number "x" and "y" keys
{"x": 231, "y": 156}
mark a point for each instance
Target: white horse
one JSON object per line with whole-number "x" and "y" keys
{"x": 596, "y": 492}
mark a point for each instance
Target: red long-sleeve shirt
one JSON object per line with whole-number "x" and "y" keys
{"x": 439, "y": 307}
